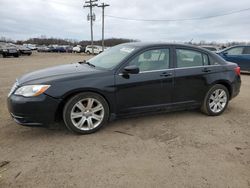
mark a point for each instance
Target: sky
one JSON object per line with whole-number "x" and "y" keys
{"x": 23, "y": 19}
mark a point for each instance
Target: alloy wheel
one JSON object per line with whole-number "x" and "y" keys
{"x": 87, "y": 114}
{"x": 217, "y": 100}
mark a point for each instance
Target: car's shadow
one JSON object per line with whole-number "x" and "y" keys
{"x": 114, "y": 126}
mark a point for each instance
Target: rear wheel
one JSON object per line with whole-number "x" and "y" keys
{"x": 86, "y": 113}
{"x": 216, "y": 100}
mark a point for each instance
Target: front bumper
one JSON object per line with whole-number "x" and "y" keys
{"x": 33, "y": 111}
{"x": 25, "y": 52}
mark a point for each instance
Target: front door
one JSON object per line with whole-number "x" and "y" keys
{"x": 151, "y": 87}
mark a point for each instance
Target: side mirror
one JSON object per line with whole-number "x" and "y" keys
{"x": 132, "y": 69}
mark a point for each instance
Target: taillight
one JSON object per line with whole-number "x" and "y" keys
{"x": 237, "y": 71}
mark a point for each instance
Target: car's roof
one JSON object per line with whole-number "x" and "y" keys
{"x": 141, "y": 45}
{"x": 152, "y": 44}
{"x": 149, "y": 44}
{"x": 207, "y": 46}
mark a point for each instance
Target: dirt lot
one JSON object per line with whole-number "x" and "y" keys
{"x": 181, "y": 149}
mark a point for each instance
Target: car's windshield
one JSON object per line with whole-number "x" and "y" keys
{"x": 112, "y": 57}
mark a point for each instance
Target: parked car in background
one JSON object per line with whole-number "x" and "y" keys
{"x": 24, "y": 50}
{"x": 78, "y": 49}
{"x": 96, "y": 49}
{"x": 43, "y": 49}
{"x": 128, "y": 79}
{"x": 30, "y": 46}
{"x": 68, "y": 49}
{"x": 58, "y": 49}
{"x": 237, "y": 54}
{"x": 8, "y": 50}
{"x": 211, "y": 48}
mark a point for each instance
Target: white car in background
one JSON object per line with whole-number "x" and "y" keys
{"x": 97, "y": 49}
{"x": 30, "y": 46}
{"x": 77, "y": 49}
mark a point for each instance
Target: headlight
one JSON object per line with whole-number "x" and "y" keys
{"x": 5, "y": 50}
{"x": 31, "y": 90}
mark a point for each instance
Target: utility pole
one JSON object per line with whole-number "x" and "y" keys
{"x": 103, "y": 5}
{"x": 91, "y": 17}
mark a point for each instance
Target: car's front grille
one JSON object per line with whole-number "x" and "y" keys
{"x": 12, "y": 51}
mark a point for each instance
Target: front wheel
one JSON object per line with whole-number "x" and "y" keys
{"x": 86, "y": 113}
{"x": 216, "y": 100}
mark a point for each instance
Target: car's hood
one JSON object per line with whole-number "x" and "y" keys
{"x": 56, "y": 72}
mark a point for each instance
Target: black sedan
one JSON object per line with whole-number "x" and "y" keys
{"x": 8, "y": 50}
{"x": 24, "y": 50}
{"x": 44, "y": 49}
{"x": 128, "y": 79}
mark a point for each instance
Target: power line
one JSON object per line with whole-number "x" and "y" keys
{"x": 179, "y": 19}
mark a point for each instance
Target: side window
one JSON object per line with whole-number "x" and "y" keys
{"x": 152, "y": 60}
{"x": 235, "y": 51}
{"x": 246, "y": 50}
{"x": 190, "y": 58}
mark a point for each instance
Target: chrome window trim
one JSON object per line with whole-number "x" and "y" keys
{"x": 142, "y": 72}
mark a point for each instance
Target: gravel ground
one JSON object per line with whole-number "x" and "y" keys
{"x": 181, "y": 149}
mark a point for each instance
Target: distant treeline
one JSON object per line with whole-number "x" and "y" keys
{"x": 51, "y": 41}
{"x": 43, "y": 40}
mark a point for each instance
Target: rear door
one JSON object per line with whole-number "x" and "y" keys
{"x": 151, "y": 88}
{"x": 245, "y": 59}
{"x": 191, "y": 70}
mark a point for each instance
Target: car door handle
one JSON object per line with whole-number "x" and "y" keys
{"x": 166, "y": 74}
{"x": 206, "y": 70}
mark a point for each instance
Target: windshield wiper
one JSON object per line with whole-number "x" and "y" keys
{"x": 86, "y": 62}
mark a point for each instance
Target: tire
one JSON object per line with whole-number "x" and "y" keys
{"x": 88, "y": 52}
{"x": 16, "y": 55}
{"x": 87, "y": 118}
{"x": 213, "y": 104}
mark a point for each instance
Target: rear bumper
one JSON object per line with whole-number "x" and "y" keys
{"x": 33, "y": 111}
{"x": 236, "y": 87}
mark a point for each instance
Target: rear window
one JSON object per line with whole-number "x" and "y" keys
{"x": 190, "y": 58}
{"x": 246, "y": 50}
